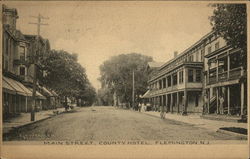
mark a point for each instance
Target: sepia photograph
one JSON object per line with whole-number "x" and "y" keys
{"x": 149, "y": 76}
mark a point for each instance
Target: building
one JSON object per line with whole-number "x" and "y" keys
{"x": 200, "y": 78}
{"x": 15, "y": 95}
{"x": 225, "y": 79}
{"x": 18, "y": 67}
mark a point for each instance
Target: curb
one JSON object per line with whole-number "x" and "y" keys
{"x": 232, "y": 133}
{"x": 30, "y": 123}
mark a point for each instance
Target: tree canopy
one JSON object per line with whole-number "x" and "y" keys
{"x": 116, "y": 75}
{"x": 230, "y": 22}
{"x": 66, "y": 76}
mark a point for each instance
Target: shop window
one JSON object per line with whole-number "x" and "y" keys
{"x": 190, "y": 75}
{"x": 198, "y": 75}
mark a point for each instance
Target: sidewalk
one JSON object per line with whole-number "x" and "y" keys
{"x": 24, "y": 119}
{"x": 197, "y": 121}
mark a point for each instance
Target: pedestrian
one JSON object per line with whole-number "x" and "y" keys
{"x": 221, "y": 105}
{"x": 162, "y": 113}
{"x": 205, "y": 110}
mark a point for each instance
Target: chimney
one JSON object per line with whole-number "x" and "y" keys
{"x": 175, "y": 54}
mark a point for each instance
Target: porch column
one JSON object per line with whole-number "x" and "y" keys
{"x": 217, "y": 68}
{"x": 16, "y": 103}
{"x": 208, "y": 100}
{"x": 228, "y": 100}
{"x": 228, "y": 65}
{"x": 166, "y": 103}
{"x": 217, "y": 100}
{"x": 208, "y": 72}
{"x": 20, "y": 104}
{"x": 171, "y": 81}
{"x": 184, "y": 112}
{"x": 10, "y": 102}
{"x": 242, "y": 99}
{"x": 177, "y": 100}
{"x": 171, "y": 102}
{"x": 26, "y": 104}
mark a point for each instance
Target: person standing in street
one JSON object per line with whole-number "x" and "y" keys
{"x": 221, "y": 105}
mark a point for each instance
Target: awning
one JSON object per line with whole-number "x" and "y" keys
{"x": 38, "y": 94}
{"x": 146, "y": 95}
{"x": 17, "y": 86}
{"x": 47, "y": 92}
{"x": 54, "y": 93}
{"x": 7, "y": 88}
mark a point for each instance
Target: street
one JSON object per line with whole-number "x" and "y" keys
{"x": 109, "y": 123}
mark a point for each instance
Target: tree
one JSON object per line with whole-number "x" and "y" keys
{"x": 104, "y": 96}
{"x": 65, "y": 75}
{"x": 116, "y": 75}
{"x": 230, "y": 22}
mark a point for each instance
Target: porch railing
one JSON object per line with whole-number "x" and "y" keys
{"x": 223, "y": 76}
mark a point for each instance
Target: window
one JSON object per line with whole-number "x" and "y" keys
{"x": 217, "y": 46}
{"x": 22, "y": 53}
{"x": 169, "y": 81}
{"x": 190, "y": 76}
{"x": 197, "y": 55}
{"x": 164, "y": 82}
{"x": 175, "y": 79}
{"x": 190, "y": 58}
{"x": 198, "y": 75}
{"x": 181, "y": 77}
{"x": 7, "y": 47}
{"x": 202, "y": 54}
{"x": 160, "y": 84}
{"x": 209, "y": 49}
{"x": 22, "y": 71}
{"x": 196, "y": 100}
{"x": 6, "y": 65}
{"x": 234, "y": 60}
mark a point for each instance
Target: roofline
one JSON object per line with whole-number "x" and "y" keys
{"x": 188, "y": 49}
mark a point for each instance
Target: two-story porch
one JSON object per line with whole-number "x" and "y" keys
{"x": 179, "y": 90}
{"x": 226, "y": 89}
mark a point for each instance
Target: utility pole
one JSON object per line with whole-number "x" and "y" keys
{"x": 35, "y": 55}
{"x": 133, "y": 92}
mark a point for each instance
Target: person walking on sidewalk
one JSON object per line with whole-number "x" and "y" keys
{"x": 163, "y": 113}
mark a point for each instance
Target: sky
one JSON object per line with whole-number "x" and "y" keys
{"x": 97, "y": 30}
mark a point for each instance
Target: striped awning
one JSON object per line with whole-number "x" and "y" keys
{"x": 47, "y": 92}
{"x": 38, "y": 94}
{"x": 146, "y": 95}
{"x": 11, "y": 86}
